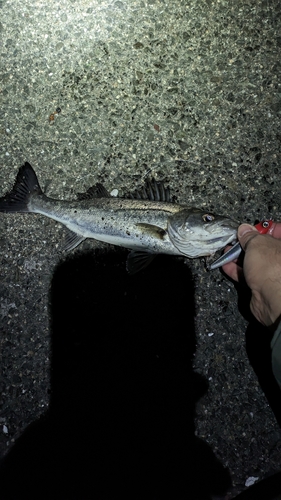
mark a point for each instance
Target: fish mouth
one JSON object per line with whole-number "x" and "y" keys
{"x": 222, "y": 239}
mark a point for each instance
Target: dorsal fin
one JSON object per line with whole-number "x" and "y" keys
{"x": 96, "y": 191}
{"x": 154, "y": 191}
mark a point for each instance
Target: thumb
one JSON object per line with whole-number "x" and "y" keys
{"x": 246, "y": 232}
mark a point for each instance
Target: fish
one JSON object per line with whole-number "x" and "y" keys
{"x": 146, "y": 223}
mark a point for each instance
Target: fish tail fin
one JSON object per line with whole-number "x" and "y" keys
{"x": 25, "y": 186}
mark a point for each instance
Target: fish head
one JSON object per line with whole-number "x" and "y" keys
{"x": 197, "y": 233}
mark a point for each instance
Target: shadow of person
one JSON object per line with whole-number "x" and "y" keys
{"x": 121, "y": 415}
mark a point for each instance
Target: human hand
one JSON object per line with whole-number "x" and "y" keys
{"x": 261, "y": 270}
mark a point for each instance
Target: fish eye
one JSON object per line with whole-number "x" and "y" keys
{"x": 208, "y": 217}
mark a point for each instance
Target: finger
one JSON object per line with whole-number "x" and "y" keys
{"x": 227, "y": 248}
{"x": 233, "y": 270}
{"x": 246, "y": 233}
{"x": 276, "y": 230}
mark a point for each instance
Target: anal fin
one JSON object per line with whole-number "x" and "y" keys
{"x": 72, "y": 240}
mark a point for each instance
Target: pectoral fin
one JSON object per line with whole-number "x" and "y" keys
{"x": 151, "y": 230}
{"x": 138, "y": 260}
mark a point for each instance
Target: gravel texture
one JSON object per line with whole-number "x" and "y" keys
{"x": 157, "y": 385}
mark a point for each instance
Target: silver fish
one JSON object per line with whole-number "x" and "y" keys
{"x": 147, "y": 226}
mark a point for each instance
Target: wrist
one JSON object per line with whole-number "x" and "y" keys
{"x": 272, "y": 301}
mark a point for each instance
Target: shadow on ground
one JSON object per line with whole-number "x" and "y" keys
{"x": 121, "y": 418}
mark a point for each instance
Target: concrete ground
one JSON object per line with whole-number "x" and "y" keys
{"x": 153, "y": 385}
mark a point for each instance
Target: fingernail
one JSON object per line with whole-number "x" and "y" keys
{"x": 245, "y": 228}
